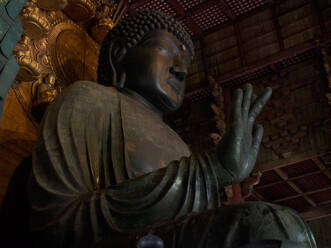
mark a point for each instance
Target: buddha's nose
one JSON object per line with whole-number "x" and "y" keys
{"x": 178, "y": 73}
{"x": 179, "y": 69}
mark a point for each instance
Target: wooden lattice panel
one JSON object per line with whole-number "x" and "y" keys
{"x": 156, "y": 5}
{"x": 241, "y": 7}
{"x": 203, "y": 14}
{"x": 248, "y": 77}
{"x": 189, "y": 4}
{"x": 210, "y": 17}
{"x": 304, "y": 56}
{"x": 187, "y": 27}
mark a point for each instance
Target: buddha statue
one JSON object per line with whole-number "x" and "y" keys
{"x": 106, "y": 170}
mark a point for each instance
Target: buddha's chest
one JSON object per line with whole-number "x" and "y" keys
{"x": 149, "y": 143}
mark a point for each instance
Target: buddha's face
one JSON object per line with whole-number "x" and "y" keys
{"x": 156, "y": 69}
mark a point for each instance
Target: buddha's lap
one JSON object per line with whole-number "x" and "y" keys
{"x": 238, "y": 224}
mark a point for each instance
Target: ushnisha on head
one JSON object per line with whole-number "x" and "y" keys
{"x": 147, "y": 54}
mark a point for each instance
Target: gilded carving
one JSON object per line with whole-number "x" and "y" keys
{"x": 106, "y": 18}
{"x": 73, "y": 54}
{"x": 29, "y": 67}
{"x": 56, "y": 51}
{"x": 81, "y": 10}
{"x": 52, "y": 5}
{"x": 43, "y": 92}
{"x": 34, "y": 21}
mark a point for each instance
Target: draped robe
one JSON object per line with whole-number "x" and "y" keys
{"x": 81, "y": 189}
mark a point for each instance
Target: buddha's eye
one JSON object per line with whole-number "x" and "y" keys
{"x": 162, "y": 49}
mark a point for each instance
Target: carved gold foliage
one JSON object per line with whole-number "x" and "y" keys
{"x": 29, "y": 68}
{"x": 34, "y": 21}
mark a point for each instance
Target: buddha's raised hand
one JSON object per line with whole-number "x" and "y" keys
{"x": 237, "y": 151}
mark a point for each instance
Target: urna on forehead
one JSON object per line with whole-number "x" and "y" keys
{"x": 135, "y": 27}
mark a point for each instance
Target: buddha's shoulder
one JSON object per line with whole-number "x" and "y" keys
{"x": 92, "y": 90}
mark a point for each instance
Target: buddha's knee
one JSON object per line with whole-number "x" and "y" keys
{"x": 265, "y": 221}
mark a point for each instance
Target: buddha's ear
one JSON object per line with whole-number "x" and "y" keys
{"x": 117, "y": 51}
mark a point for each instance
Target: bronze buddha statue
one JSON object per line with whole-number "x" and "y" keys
{"x": 106, "y": 169}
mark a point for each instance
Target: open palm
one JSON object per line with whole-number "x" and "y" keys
{"x": 237, "y": 151}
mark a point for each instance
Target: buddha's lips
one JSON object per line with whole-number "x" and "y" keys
{"x": 175, "y": 84}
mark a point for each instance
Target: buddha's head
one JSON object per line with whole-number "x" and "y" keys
{"x": 147, "y": 53}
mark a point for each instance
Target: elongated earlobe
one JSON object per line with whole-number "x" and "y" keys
{"x": 116, "y": 53}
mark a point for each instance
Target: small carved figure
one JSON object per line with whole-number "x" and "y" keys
{"x": 44, "y": 92}
{"x": 107, "y": 170}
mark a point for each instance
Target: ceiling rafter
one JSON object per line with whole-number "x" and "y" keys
{"x": 290, "y": 179}
{"x": 240, "y": 43}
{"x": 319, "y": 15}
{"x": 316, "y": 212}
{"x": 322, "y": 167}
{"x": 303, "y": 194}
{"x": 277, "y": 27}
{"x": 226, "y": 8}
{"x": 295, "y": 187}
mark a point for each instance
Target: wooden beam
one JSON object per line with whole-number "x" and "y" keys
{"x": 295, "y": 187}
{"x": 277, "y": 27}
{"x": 302, "y": 194}
{"x": 203, "y": 57}
{"x": 289, "y": 179}
{"x": 320, "y": 165}
{"x": 295, "y": 158}
{"x": 285, "y": 54}
{"x": 227, "y": 9}
{"x": 317, "y": 212}
{"x": 240, "y": 44}
{"x": 319, "y": 16}
{"x": 258, "y": 196}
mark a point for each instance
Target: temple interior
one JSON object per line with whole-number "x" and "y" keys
{"x": 283, "y": 44}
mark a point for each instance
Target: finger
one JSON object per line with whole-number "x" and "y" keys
{"x": 257, "y": 138}
{"x": 236, "y": 106}
{"x": 254, "y": 97}
{"x": 259, "y": 104}
{"x": 247, "y": 100}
